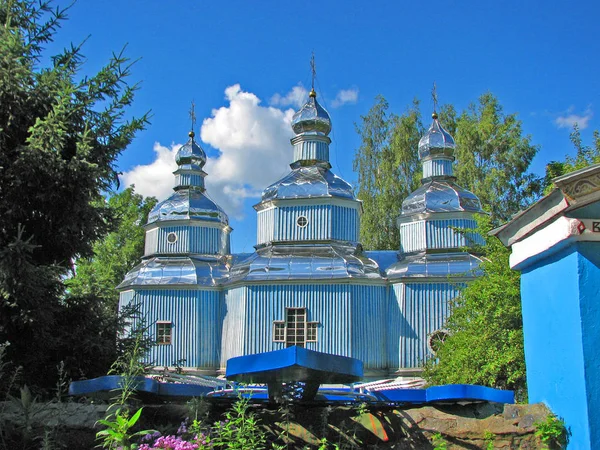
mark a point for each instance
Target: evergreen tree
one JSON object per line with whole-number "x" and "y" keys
{"x": 60, "y": 135}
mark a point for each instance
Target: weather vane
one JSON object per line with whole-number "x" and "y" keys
{"x": 313, "y": 69}
{"x": 193, "y": 118}
{"x": 434, "y": 97}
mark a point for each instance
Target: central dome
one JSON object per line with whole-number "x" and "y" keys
{"x": 312, "y": 118}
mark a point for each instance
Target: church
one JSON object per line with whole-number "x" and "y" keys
{"x": 309, "y": 282}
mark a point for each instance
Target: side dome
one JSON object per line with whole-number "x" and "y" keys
{"x": 437, "y": 141}
{"x": 191, "y": 153}
{"x": 312, "y": 118}
{"x": 188, "y": 204}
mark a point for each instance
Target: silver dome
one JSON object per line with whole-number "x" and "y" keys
{"x": 304, "y": 263}
{"x": 440, "y": 196}
{"x": 191, "y": 154}
{"x": 436, "y": 141}
{"x": 312, "y": 118}
{"x": 309, "y": 182}
{"x": 188, "y": 204}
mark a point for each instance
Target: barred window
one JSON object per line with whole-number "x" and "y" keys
{"x": 295, "y": 330}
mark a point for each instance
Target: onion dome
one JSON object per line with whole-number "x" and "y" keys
{"x": 436, "y": 141}
{"x": 186, "y": 204}
{"x": 191, "y": 154}
{"x": 312, "y": 118}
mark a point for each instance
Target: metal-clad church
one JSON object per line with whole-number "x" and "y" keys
{"x": 308, "y": 283}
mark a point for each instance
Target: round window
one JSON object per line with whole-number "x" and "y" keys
{"x": 435, "y": 340}
{"x": 302, "y": 221}
{"x": 171, "y": 238}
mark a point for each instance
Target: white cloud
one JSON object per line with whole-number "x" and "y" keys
{"x": 154, "y": 179}
{"x": 296, "y": 97}
{"x": 254, "y": 151}
{"x": 570, "y": 118}
{"x": 345, "y": 96}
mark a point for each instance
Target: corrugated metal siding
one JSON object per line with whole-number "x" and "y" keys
{"x": 436, "y": 167}
{"x": 345, "y": 223}
{"x": 234, "y": 324}
{"x": 189, "y": 179}
{"x": 351, "y": 319}
{"x": 412, "y": 236}
{"x": 151, "y": 242}
{"x": 311, "y": 150}
{"x": 442, "y": 233}
{"x": 265, "y": 230}
{"x": 395, "y": 325}
{"x": 369, "y": 337}
{"x": 190, "y": 239}
{"x": 318, "y": 227}
{"x": 196, "y": 319}
{"x": 424, "y": 308}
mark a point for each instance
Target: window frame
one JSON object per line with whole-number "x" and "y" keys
{"x": 295, "y": 332}
{"x": 160, "y": 336}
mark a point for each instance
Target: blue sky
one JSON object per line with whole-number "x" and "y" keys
{"x": 539, "y": 58}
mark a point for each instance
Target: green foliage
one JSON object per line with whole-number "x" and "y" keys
{"x": 387, "y": 165}
{"x": 438, "y": 442}
{"x": 585, "y": 155}
{"x": 117, "y": 434}
{"x": 60, "y": 135}
{"x": 485, "y": 341}
{"x": 489, "y": 438}
{"x": 552, "y": 432}
{"x": 241, "y": 429}
{"x": 493, "y": 157}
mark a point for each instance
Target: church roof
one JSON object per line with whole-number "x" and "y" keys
{"x": 439, "y": 195}
{"x": 176, "y": 270}
{"x": 188, "y": 204}
{"x": 325, "y": 262}
{"x": 426, "y": 265}
{"x": 309, "y": 182}
{"x": 436, "y": 141}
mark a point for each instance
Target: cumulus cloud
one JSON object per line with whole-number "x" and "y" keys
{"x": 254, "y": 151}
{"x": 345, "y": 96}
{"x": 296, "y": 97}
{"x": 570, "y": 118}
{"x": 154, "y": 179}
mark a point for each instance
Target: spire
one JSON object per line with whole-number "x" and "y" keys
{"x": 436, "y": 147}
{"x": 190, "y": 160}
{"x": 193, "y": 120}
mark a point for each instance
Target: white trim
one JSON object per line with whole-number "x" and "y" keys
{"x": 550, "y": 239}
{"x": 334, "y": 201}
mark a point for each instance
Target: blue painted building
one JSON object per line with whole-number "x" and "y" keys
{"x": 556, "y": 246}
{"x": 309, "y": 282}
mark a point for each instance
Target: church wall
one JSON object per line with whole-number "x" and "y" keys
{"x": 195, "y": 325}
{"x": 325, "y": 222}
{"x": 190, "y": 239}
{"x": 417, "y": 310}
{"x": 234, "y": 324}
{"x": 448, "y": 233}
{"x": 369, "y": 337}
{"x": 349, "y": 316}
